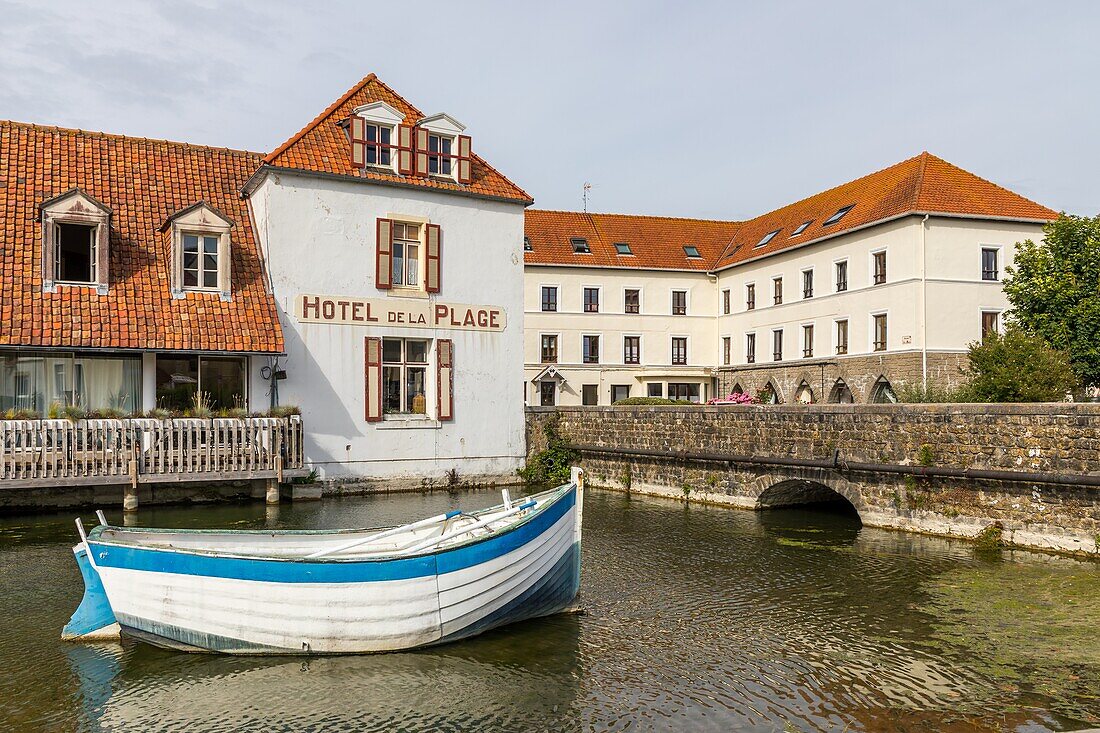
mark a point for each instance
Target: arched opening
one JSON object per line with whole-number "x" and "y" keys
{"x": 882, "y": 392}
{"x": 805, "y": 393}
{"x": 840, "y": 394}
{"x": 769, "y": 395}
{"x": 807, "y": 513}
{"x": 737, "y": 389}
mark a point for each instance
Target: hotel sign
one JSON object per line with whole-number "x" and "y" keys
{"x": 398, "y": 313}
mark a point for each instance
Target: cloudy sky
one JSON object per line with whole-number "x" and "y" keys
{"x": 708, "y": 109}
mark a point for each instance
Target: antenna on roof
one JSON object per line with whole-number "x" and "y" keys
{"x": 584, "y": 195}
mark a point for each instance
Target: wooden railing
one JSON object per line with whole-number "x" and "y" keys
{"x": 148, "y": 450}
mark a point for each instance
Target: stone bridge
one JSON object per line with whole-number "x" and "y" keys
{"x": 1030, "y": 473}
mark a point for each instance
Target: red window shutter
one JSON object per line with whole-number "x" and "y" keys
{"x": 383, "y": 266}
{"x": 405, "y": 150}
{"x": 372, "y": 393}
{"x": 420, "y": 152}
{"x": 465, "y": 165}
{"x": 357, "y": 128}
{"x": 445, "y": 379}
{"x": 435, "y": 248}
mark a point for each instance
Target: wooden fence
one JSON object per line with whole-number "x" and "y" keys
{"x": 147, "y": 450}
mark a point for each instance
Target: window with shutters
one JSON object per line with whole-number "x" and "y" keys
{"x": 408, "y": 256}
{"x": 404, "y": 376}
{"x": 679, "y": 302}
{"x": 377, "y": 145}
{"x": 549, "y": 349}
{"x": 439, "y": 155}
{"x": 590, "y": 348}
{"x": 679, "y": 350}
{"x": 632, "y": 349}
{"x": 549, "y": 298}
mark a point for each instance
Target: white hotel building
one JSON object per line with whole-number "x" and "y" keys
{"x": 839, "y": 297}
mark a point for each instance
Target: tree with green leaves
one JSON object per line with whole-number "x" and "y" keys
{"x": 1017, "y": 367}
{"x": 1054, "y": 289}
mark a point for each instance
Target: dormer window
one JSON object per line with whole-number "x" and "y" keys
{"x": 200, "y": 250}
{"x": 439, "y": 155}
{"x": 379, "y": 139}
{"x": 75, "y": 234}
{"x": 580, "y": 246}
{"x": 441, "y": 149}
{"x": 378, "y": 145}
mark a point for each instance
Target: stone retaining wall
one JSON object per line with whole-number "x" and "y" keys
{"x": 1056, "y": 438}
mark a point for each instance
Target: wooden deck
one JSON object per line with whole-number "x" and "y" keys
{"x": 145, "y": 450}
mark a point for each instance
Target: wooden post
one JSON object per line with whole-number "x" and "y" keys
{"x": 129, "y": 493}
{"x": 279, "y": 467}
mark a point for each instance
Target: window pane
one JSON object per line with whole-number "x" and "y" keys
{"x": 391, "y": 351}
{"x": 412, "y": 267}
{"x": 210, "y": 245}
{"x": 210, "y": 279}
{"x": 433, "y": 144}
{"x": 210, "y": 263}
{"x": 190, "y": 243}
{"x": 384, "y": 135}
{"x": 398, "y": 263}
{"x": 190, "y": 278}
{"x": 177, "y": 381}
{"x": 391, "y": 389}
{"x": 416, "y": 352}
{"x": 414, "y": 390}
{"x": 222, "y": 381}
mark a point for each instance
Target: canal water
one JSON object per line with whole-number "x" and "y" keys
{"x": 695, "y": 619}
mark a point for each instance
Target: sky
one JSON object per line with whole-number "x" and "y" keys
{"x": 720, "y": 110}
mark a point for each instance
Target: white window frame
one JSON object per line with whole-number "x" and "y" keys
{"x": 687, "y": 349}
{"x": 813, "y": 278}
{"x": 93, "y": 252}
{"x": 561, "y": 343}
{"x": 999, "y": 249}
{"x": 421, "y": 253}
{"x": 429, "y": 365}
{"x": 687, "y": 300}
{"x": 871, "y": 268}
{"x": 847, "y": 275}
{"x": 755, "y": 348}
{"x": 622, "y": 350}
{"x": 450, "y": 157}
{"x": 802, "y": 338}
{"x": 603, "y": 353}
{"x": 724, "y": 339}
{"x": 782, "y": 345}
{"x": 391, "y": 148}
{"x": 201, "y": 235}
{"x": 871, "y": 332}
{"x": 381, "y": 114}
{"x": 641, "y": 297}
{"x": 557, "y": 300}
{"x": 599, "y": 300}
{"x": 993, "y": 309}
{"x": 835, "y": 336}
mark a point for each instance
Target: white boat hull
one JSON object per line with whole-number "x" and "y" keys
{"x": 252, "y": 605}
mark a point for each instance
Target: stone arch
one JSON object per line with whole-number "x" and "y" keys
{"x": 770, "y": 394}
{"x": 737, "y": 389}
{"x": 804, "y": 394}
{"x": 795, "y": 486}
{"x": 882, "y": 392}
{"x": 841, "y": 393}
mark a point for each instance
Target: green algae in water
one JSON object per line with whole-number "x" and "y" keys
{"x": 1031, "y": 627}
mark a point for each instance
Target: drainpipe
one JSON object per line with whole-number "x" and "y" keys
{"x": 923, "y": 306}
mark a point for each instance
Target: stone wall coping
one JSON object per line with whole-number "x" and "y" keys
{"x": 1051, "y": 409}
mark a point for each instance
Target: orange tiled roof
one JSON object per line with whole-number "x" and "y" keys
{"x": 656, "y": 242}
{"x": 143, "y": 182}
{"x": 322, "y": 146}
{"x": 922, "y": 184}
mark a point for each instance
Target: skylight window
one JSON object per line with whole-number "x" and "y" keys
{"x": 623, "y": 248}
{"x": 838, "y": 215}
{"x": 527, "y": 245}
{"x": 692, "y": 251}
{"x": 801, "y": 228}
{"x": 766, "y": 238}
{"x": 580, "y": 246}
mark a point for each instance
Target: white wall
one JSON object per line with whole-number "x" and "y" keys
{"x": 318, "y": 237}
{"x": 654, "y": 324}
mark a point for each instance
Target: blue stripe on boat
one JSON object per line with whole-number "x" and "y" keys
{"x": 327, "y": 570}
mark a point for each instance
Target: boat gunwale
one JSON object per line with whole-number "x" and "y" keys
{"x": 561, "y": 491}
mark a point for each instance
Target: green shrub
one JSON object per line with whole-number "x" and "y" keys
{"x": 933, "y": 392}
{"x": 550, "y": 466}
{"x": 653, "y": 401}
{"x": 1018, "y": 367}
{"x": 283, "y": 411}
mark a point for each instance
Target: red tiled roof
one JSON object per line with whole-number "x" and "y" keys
{"x": 143, "y": 182}
{"x": 922, "y": 184}
{"x": 656, "y": 242}
{"x": 322, "y": 146}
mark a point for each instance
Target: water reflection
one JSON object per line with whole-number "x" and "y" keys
{"x": 697, "y": 618}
